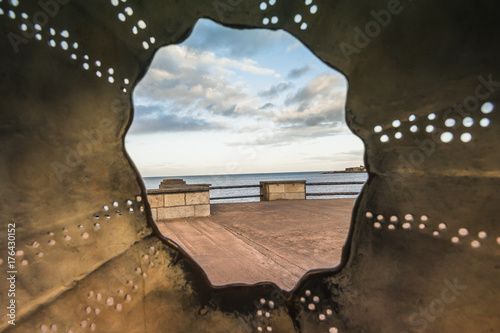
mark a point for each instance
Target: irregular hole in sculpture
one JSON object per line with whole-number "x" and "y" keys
{"x": 220, "y": 105}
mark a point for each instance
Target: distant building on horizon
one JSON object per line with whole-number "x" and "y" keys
{"x": 361, "y": 168}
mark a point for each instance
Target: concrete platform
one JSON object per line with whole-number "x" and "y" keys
{"x": 274, "y": 241}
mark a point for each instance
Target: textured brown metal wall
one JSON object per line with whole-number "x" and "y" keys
{"x": 423, "y": 251}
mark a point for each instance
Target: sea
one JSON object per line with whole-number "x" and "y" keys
{"x": 255, "y": 179}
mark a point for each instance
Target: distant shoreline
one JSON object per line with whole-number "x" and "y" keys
{"x": 332, "y": 172}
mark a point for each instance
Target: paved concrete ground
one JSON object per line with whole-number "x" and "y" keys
{"x": 274, "y": 241}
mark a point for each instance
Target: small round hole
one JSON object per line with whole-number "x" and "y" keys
{"x": 141, "y": 24}
{"x": 475, "y": 244}
{"x": 421, "y": 226}
{"x": 377, "y": 129}
{"x": 394, "y": 219}
{"x": 414, "y": 128}
{"x": 314, "y": 9}
{"x": 303, "y": 26}
{"x": 274, "y": 19}
{"x": 263, "y": 6}
{"x": 442, "y": 226}
{"x": 450, "y": 122}
{"x": 468, "y": 122}
{"x": 455, "y": 240}
{"x": 424, "y": 218}
{"x": 298, "y": 18}
{"x": 412, "y": 117}
{"x": 466, "y": 137}
{"x": 482, "y": 234}
{"x": 145, "y": 45}
{"x": 406, "y": 226}
{"x": 487, "y": 108}
{"x": 384, "y": 138}
{"x": 391, "y": 227}
{"x": 311, "y": 307}
{"x": 265, "y": 21}
{"x": 122, "y": 17}
{"x": 396, "y": 123}
{"x": 429, "y": 129}
{"x": 377, "y": 225}
{"x": 409, "y": 217}
{"x": 463, "y": 232}
{"x": 435, "y": 234}
{"x": 446, "y": 137}
{"x": 369, "y": 215}
{"x": 398, "y": 135}
{"x": 485, "y": 122}
{"x": 431, "y": 116}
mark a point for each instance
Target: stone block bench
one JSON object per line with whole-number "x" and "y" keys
{"x": 179, "y": 201}
{"x": 283, "y": 190}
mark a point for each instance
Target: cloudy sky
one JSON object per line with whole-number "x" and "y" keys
{"x": 229, "y": 101}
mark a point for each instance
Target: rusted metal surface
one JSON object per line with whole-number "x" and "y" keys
{"x": 423, "y": 250}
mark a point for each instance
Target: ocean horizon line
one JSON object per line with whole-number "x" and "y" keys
{"x": 237, "y": 174}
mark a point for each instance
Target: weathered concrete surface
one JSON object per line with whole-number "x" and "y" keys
{"x": 275, "y": 241}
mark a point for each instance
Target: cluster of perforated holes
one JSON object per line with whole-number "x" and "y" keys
{"x": 10, "y": 13}
{"x": 312, "y": 304}
{"x": 393, "y": 222}
{"x": 50, "y": 328}
{"x": 264, "y": 311}
{"x": 62, "y": 40}
{"x": 98, "y": 302}
{"x": 439, "y": 230}
{"x": 108, "y": 211}
{"x": 451, "y": 123}
{"x": 140, "y": 25}
{"x": 474, "y": 240}
{"x": 298, "y": 18}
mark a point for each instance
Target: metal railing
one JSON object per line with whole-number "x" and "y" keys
{"x": 308, "y": 194}
{"x": 317, "y": 194}
{"x": 235, "y": 197}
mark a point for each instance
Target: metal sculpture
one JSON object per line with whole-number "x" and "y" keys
{"x": 79, "y": 249}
